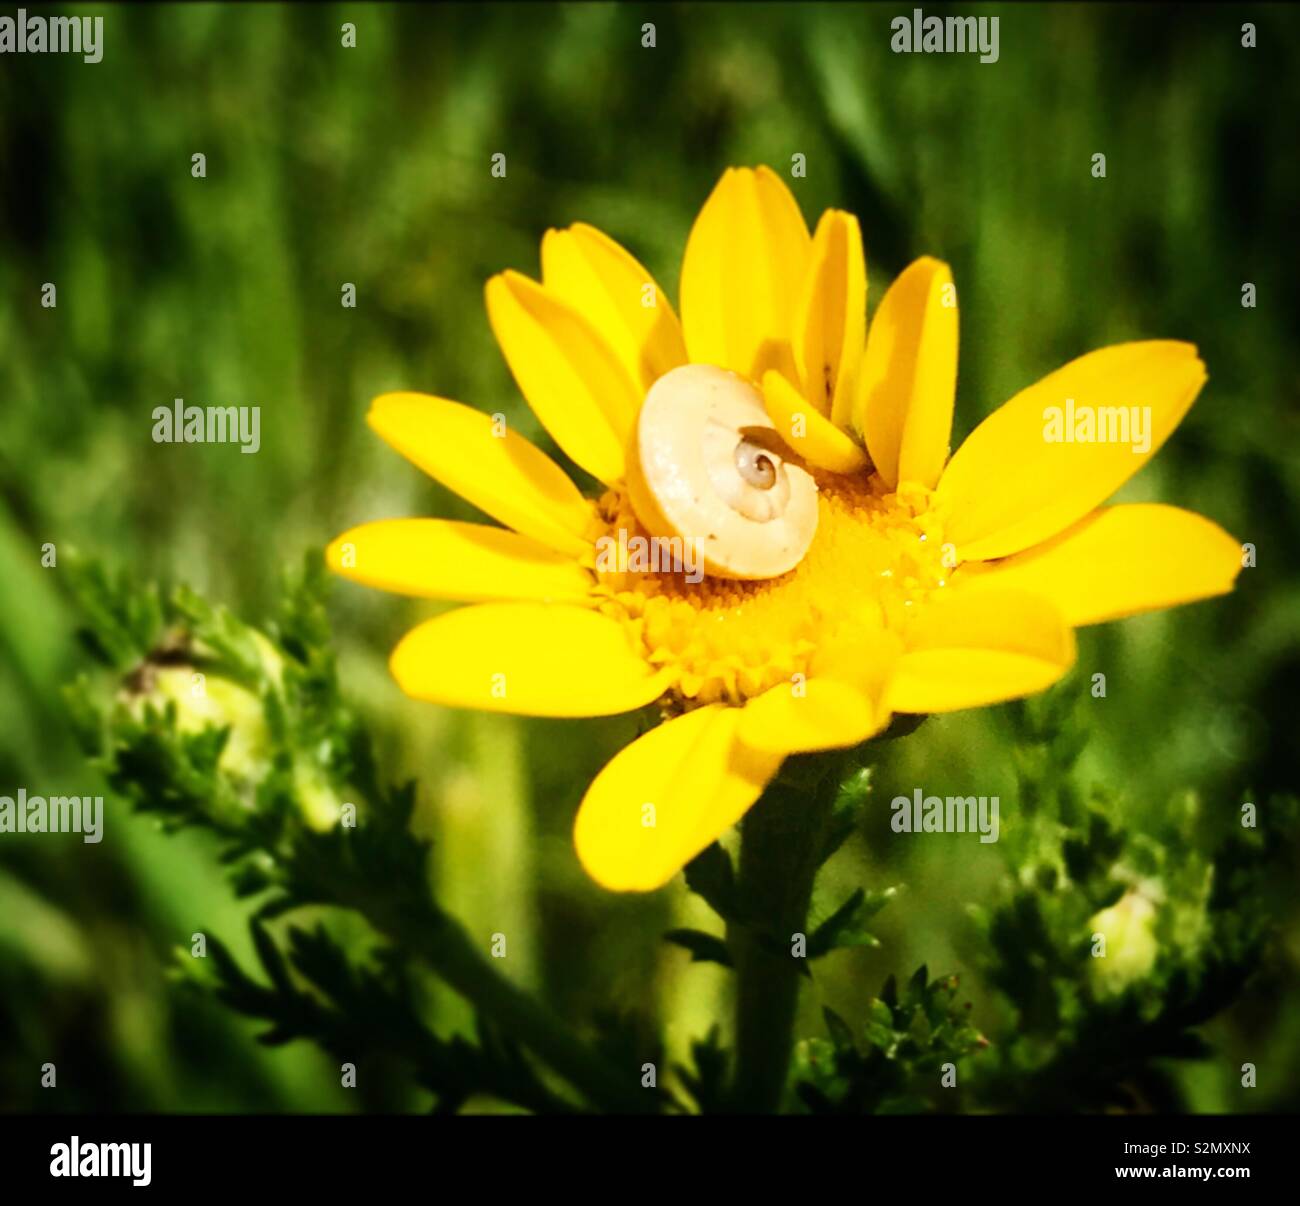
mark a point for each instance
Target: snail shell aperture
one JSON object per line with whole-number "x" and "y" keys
{"x": 707, "y": 465}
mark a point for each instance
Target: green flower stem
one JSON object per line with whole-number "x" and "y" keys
{"x": 783, "y": 843}
{"x": 453, "y": 957}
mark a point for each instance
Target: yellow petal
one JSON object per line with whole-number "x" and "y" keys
{"x": 614, "y": 292}
{"x": 841, "y": 703}
{"x": 1118, "y": 561}
{"x": 831, "y": 322}
{"x": 820, "y": 714}
{"x": 1009, "y": 486}
{"x": 505, "y": 475}
{"x": 664, "y": 798}
{"x": 908, "y": 378}
{"x": 966, "y": 650}
{"x": 810, "y": 434}
{"x": 576, "y": 386}
{"x": 745, "y": 263}
{"x": 863, "y": 655}
{"x": 446, "y": 559}
{"x": 532, "y": 659}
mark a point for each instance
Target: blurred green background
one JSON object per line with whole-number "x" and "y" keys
{"x": 328, "y": 165}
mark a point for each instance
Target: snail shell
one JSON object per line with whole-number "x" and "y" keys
{"x": 707, "y": 464}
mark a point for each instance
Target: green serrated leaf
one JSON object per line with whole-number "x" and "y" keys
{"x": 850, "y": 800}
{"x": 843, "y": 928}
{"x": 711, "y": 876}
{"x": 838, "y": 1029}
{"x": 704, "y": 948}
{"x": 270, "y": 957}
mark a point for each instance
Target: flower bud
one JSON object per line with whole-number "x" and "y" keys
{"x": 1128, "y": 927}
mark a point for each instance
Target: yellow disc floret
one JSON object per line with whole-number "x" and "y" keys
{"x": 875, "y": 555}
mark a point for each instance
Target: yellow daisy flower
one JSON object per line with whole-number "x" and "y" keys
{"x": 851, "y": 569}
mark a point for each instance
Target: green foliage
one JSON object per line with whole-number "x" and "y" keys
{"x": 370, "y": 1012}
{"x": 166, "y": 749}
{"x": 704, "y": 948}
{"x": 122, "y": 621}
{"x": 1183, "y": 926}
{"x": 707, "y": 1079}
{"x": 711, "y": 874}
{"x": 289, "y": 840}
{"x": 851, "y": 798}
{"x": 843, "y": 928}
{"x": 906, "y": 1041}
{"x": 1109, "y": 949}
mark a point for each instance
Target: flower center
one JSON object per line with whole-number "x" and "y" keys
{"x": 876, "y": 554}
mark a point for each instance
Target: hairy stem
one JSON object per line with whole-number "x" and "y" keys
{"x": 783, "y": 840}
